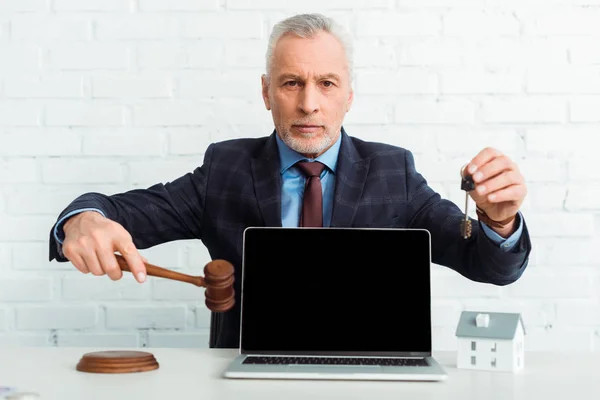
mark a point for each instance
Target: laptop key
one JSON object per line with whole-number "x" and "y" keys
{"x": 391, "y": 362}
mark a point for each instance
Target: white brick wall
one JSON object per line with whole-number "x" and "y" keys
{"x": 87, "y": 288}
{"x": 55, "y": 317}
{"x": 149, "y": 317}
{"x": 25, "y": 290}
{"x": 2, "y": 320}
{"x": 91, "y": 5}
{"x": 110, "y": 95}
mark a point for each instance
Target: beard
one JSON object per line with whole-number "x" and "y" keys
{"x": 307, "y": 143}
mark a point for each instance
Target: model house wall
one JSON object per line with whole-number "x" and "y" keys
{"x": 484, "y": 351}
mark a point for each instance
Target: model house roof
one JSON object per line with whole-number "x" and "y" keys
{"x": 488, "y": 325}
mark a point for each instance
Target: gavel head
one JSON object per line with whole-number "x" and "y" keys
{"x": 218, "y": 278}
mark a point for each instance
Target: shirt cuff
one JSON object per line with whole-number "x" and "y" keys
{"x": 59, "y": 234}
{"x": 508, "y": 243}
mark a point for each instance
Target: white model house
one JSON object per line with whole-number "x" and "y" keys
{"x": 490, "y": 341}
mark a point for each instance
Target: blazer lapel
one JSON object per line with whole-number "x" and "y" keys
{"x": 350, "y": 179}
{"x": 267, "y": 183}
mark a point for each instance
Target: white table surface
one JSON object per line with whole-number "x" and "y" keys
{"x": 195, "y": 374}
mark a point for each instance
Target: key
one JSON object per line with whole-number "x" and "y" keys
{"x": 467, "y": 185}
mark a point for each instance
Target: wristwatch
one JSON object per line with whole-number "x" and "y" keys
{"x": 483, "y": 217}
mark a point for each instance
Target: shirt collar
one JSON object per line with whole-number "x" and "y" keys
{"x": 289, "y": 157}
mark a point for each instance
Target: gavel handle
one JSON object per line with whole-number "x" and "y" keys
{"x": 159, "y": 272}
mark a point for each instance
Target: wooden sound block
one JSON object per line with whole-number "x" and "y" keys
{"x": 117, "y": 362}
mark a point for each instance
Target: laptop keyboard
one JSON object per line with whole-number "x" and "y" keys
{"x": 394, "y": 362}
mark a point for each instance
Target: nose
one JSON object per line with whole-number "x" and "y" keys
{"x": 309, "y": 99}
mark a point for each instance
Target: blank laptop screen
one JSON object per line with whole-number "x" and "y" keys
{"x": 336, "y": 291}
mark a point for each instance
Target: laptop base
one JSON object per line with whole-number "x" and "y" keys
{"x": 237, "y": 370}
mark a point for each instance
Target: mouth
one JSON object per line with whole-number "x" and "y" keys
{"x": 306, "y": 128}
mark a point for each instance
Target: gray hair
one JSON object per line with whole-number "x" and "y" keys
{"x": 306, "y": 26}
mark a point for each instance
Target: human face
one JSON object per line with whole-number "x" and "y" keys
{"x": 308, "y": 91}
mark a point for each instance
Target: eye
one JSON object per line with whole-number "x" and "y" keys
{"x": 328, "y": 83}
{"x": 291, "y": 83}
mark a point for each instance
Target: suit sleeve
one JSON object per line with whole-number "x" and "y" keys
{"x": 477, "y": 258}
{"x": 158, "y": 214}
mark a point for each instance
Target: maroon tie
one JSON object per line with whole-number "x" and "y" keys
{"x": 312, "y": 207}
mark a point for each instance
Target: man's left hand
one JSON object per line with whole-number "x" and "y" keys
{"x": 499, "y": 186}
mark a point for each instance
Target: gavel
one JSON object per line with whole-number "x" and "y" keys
{"x": 218, "y": 281}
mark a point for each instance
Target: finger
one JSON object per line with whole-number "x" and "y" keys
{"x": 91, "y": 260}
{"x": 511, "y": 193}
{"x": 109, "y": 264}
{"x": 492, "y": 168}
{"x": 70, "y": 250}
{"x": 79, "y": 263}
{"x": 482, "y": 158}
{"x": 133, "y": 258}
{"x": 498, "y": 182}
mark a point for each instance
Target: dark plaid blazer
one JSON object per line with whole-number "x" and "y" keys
{"x": 239, "y": 185}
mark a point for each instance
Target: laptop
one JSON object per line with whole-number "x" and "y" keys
{"x": 336, "y": 303}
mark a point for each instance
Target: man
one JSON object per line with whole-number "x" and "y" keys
{"x": 258, "y": 182}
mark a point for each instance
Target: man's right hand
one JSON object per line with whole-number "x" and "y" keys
{"x": 90, "y": 244}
